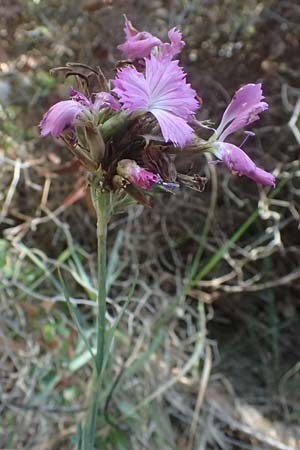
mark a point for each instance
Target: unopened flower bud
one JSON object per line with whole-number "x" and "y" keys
{"x": 138, "y": 176}
{"x": 114, "y": 125}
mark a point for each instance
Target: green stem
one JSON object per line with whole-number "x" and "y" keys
{"x": 103, "y": 214}
{"x": 102, "y": 205}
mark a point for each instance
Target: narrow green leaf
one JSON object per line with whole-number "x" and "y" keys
{"x": 112, "y": 330}
{"x": 113, "y": 267}
{"x": 140, "y": 361}
{"x": 216, "y": 258}
{"x": 74, "y": 315}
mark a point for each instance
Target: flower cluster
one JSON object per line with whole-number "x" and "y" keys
{"x": 132, "y": 128}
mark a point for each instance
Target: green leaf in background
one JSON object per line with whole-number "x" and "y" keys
{"x": 118, "y": 440}
{"x": 4, "y": 245}
{"x": 49, "y": 333}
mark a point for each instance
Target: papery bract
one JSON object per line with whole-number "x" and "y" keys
{"x": 237, "y": 161}
{"x": 162, "y": 91}
{"x": 138, "y": 176}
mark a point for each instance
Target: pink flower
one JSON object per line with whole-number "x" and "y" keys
{"x": 162, "y": 91}
{"x": 68, "y": 113}
{"x": 237, "y": 161}
{"x": 105, "y": 100}
{"x": 244, "y": 108}
{"x": 80, "y": 98}
{"x": 138, "y": 176}
{"x": 140, "y": 44}
{"x": 60, "y": 116}
{"x": 169, "y": 50}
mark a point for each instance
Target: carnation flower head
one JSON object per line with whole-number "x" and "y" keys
{"x": 162, "y": 91}
{"x": 134, "y": 130}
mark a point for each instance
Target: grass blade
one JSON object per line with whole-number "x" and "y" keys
{"x": 74, "y": 315}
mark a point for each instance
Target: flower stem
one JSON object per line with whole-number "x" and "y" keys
{"x": 103, "y": 215}
{"x": 102, "y": 205}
